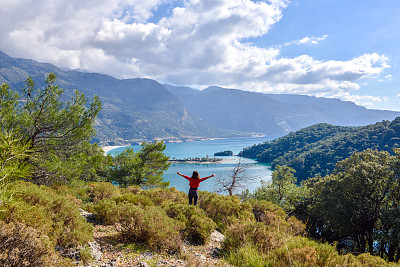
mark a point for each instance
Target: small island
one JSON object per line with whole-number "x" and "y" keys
{"x": 204, "y": 160}
{"x": 224, "y": 153}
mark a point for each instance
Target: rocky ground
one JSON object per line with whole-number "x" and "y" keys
{"x": 109, "y": 252}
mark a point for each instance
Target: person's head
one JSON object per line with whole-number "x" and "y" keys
{"x": 195, "y": 175}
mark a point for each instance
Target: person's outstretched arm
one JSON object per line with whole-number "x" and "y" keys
{"x": 184, "y": 176}
{"x": 205, "y": 178}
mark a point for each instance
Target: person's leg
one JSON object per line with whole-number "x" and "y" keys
{"x": 196, "y": 196}
{"x": 190, "y": 195}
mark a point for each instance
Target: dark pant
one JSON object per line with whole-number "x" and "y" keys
{"x": 193, "y": 194}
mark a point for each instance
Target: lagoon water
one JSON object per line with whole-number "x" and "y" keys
{"x": 209, "y": 147}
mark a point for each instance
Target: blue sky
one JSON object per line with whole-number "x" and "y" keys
{"x": 327, "y": 48}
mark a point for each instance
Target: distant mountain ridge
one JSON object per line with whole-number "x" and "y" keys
{"x": 273, "y": 114}
{"x": 139, "y": 109}
{"x": 134, "y": 110}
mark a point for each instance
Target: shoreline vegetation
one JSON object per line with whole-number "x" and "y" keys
{"x": 203, "y": 160}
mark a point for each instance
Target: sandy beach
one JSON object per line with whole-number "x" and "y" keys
{"x": 108, "y": 148}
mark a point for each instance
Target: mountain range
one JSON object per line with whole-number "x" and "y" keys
{"x": 273, "y": 114}
{"x": 136, "y": 110}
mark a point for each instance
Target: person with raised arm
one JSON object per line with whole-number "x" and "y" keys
{"x": 194, "y": 183}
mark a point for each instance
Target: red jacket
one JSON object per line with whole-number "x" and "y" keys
{"x": 194, "y": 183}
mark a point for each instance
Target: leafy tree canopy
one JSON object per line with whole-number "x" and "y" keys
{"x": 357, "y": 205}
{"x": 144, "y": 167}
{"x": 55, "y": 130}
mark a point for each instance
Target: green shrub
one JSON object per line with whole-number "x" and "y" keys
{"x": 255, "y": 234}
{"x": 139, "y": 200}
{"x": 85, "y": 254}
{"x": 151, "y": 226}
{"x": 106, "y": 210}
{"x": 247, "y": 256}
{"x": 21, "y": 245}
{"x": 102, "y": 190}
{"x": 162, "y": 197}
{"x": 275, "y": 217}
{"x": 225, "y": 210}
{"x": 300, "y": 251}
{"x": 198, "y": 226}
{"x": 53, "y": 215}
{"x": 134, "y": 189}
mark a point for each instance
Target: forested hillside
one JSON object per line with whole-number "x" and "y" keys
{"x": 316, "y": 149}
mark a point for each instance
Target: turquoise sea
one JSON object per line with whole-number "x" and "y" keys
{"x": 209, "y": 147}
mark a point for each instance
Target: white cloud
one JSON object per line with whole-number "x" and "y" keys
{"x": 198, "y": 43}
{"x": 398, "y": 95}
{"x": 306, "y": 40}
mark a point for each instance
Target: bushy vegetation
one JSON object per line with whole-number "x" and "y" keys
{"x": 36, "y": 221}
{"x": 198, "y": 226}
{"x": 315, "y": 150}
{"x": 47, "y": 141}
{"x": 21, "y": 245}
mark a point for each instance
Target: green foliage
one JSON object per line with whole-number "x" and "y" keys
{"x": 144, "y": 168}
{"x": 53, "y": 215}
{"x": 151, "y": 226}
{"x": 247, "y": 256}
{"x": 198, "y": 226}
{"x": 21, "y": 245}
{"x": 102, "y": 190}
{"x": 300, "y": 251}
{"x": 316, "y": 149}
{"x": 12, "y": 164}
{"x": 357, "y": 205}
{"x": 225, "y": 210}
{"x": 162, "y": 197}
{"x": 56, "y": 132}
{"x": 252, "y": 233}
{"x": 283, "y": 190}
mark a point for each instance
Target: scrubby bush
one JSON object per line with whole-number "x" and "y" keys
{"x": 251, "y": 233}
{"x": 247, "y": 256}
{"x": 225, "y": 210}
{"x": 106, "y": 210}
{"x": 53, "y": 215}
{"x": 134, "y": 189}
{"x": 300, "y": 251}
{"x": 162, "y": 197}
{"x": 151, "y": 226}
{"x": 275, "y": 217}
{"x": 139, "y": 200}
{"x": 21, "y": 245}
{"x": 102, "y": 190}
{"x": 198, "y": 226}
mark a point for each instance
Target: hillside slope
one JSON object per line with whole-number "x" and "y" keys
{"x": 133, "y": 109}
{"x": 316, "y": 149}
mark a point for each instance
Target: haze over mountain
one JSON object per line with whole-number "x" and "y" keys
{"x": 273, "y": 114}
{"x": 143, "y": 109}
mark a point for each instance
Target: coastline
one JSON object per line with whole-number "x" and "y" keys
{"x": 197, "y": 162}
{"x": 109, "y": 148}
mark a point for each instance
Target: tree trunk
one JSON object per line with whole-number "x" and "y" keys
{"x": 391, "y": 251}
{"x": 363, "y": 244}
{"x": 370, "y": 245}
